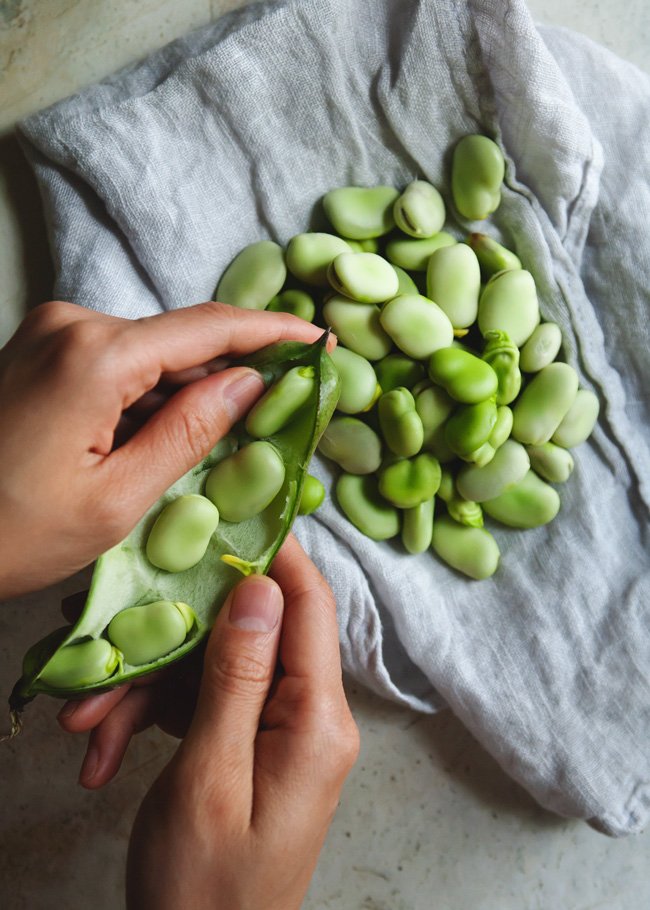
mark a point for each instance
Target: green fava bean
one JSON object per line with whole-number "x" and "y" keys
{"x": 357, "y": 327}
{"x": 309, "y": 256}
{"x": 312, "y": 496}
{"x": 503, "y": 357}
{"x": 413, "y": 255}
{"x": 551, "y": 462}
{"x": 528, "y": 504}
{"x": 447, "y": 488}
{"x": 370, "y": 245}
{"x": 492, "y": 257}
{"x": 400, "y": 423}
{"x": 465, "y": 377}
{"x": 541, "y": 348}
{"x": 352, "y": 444}
{"x": 434, "y": 407}
{"x": 298, "y": 303}
{"x": 83, "y": 664}
{"x": 543, "y": 403}
{"x": 361, "y": 213}
{"x": 465, "y": 512}
{"x": 454, "y": 283}
{"x": 477, "y": 173}
{"x": 254, "y": 276}
{"x": 509, "y": 465}
{"x": 502, "y": 428}
{"x": 359, "y": 499}
{"x": 409, "y": 482}
{"x": 364, "y": 277}
{"x": 577, "y": 424}
{"x": 509, "y": 304}
{"x": 417, "y": 527}
{"x": 280, "y": 404}
{"x": 417, "y": 325}
{"x": 397, "y": 370}
{"x": 470, "y": 427}
{"x": 470, "y": 550}
{"x": 358, "y": 381}
{"x": 150, "y": 631}
{"x": 245, "y": 483}
{"x": 181, "y": 533}
{"x": 420, "y": 210}
{"x": 405, "y": 284}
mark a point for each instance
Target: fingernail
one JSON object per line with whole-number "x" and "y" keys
{"x": 89, "y": 767}
{"x": 256, "y": 605}
{"x": 242, "y": 391}
{"x": 68, "y": 710}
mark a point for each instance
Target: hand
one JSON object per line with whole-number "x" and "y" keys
{"x": 68, "y": 378}
{"x": 238, "y": 817}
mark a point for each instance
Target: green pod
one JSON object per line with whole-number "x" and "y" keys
{"x": 405, "y": 284}
{"x": 358, "y": 381}
{"x": 246, "y": 482}
{"x": 123, "y": 577}
{"x": 447, "y": 488}
{"x": 181, "y": 533}
{"x": 551, "y": 462}
{"x": 434, "y": 406}
{"x": 492, "y": 257}
{"x": 417, "y": 325}
{"x": 254, "y": 276}
{"x": 413, "y": 255}
{"x": 472, "y": 551}
{"x": 541, "y": 348}
{"x": 145, "y": 633}
{"x": 352, "y": 444}
{"x": 400, "y": 424}
{"x": 464, "y": 376}
{"x": 543, "y": 403}
{"x": 509, "y": 304}
{"x": 398, "y": 370}
{"x": 454, "y": 283}
{"x": 313, "y": 494}
{"x": 577, "y": 424}
{"x": 297, "y": 303}
{"x": 309, "y": 256}
{"x": 364, "y": 277}
{"x": 417, "y": 527}
{"x": 78, "y": 665}
{"x": 502, "y": 428}
{"x": 477, "y": 173}
{"x": 361, "y": 213}
{"x": 528, "y": 504}
{"x": 503, "y": 357}
{"x": 465, "y": 512}
{"x": 282, "y": 402}
{"x": 357, "y": 327}
{"x": 420, "y": 210}
{"x": 409, "y": 482}
{"x": 509, "y": 465}
{"x": 470, "y": 426}
{"x": 359, "y": 499}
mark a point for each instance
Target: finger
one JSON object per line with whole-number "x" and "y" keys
{"x": 81, "y": 716}
{"x": 187, "y": 337}
{"x": 180, "y": 434}
{"x": 309, "y": 646}
{"x": 108, "y": 741}
{"x": 238, "y": 670}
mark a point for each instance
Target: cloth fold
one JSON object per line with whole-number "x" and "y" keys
{"x": 153, "y": 180}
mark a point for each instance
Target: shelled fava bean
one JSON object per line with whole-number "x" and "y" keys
{"x": 453, "y": 405}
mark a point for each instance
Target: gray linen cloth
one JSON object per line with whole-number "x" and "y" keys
{"x": 153, "y": 180}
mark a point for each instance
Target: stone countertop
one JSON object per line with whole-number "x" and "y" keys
{"x": 427, "y": 818}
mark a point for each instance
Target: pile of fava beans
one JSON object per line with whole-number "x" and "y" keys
{"x": 453, "y": 405}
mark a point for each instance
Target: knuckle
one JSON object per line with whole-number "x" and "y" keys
{"x": 342, "y": 746}
{"x": 47, "y": 317}
{"x": 195, "y": 433}
{"x": 240, "y": 672}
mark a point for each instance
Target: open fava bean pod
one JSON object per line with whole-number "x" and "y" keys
{"x": 139, "y": 617}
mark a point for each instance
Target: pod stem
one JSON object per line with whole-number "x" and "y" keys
{"x": 16, "y": 718}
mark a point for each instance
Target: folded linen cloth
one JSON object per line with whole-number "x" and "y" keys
{"x": 155, "y": 179}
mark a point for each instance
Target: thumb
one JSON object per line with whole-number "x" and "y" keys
{"x": 238, "y": 670}
{"x": 183, "y": 431}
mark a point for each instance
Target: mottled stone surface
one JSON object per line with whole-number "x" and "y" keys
{"x": 427, "y": 819}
